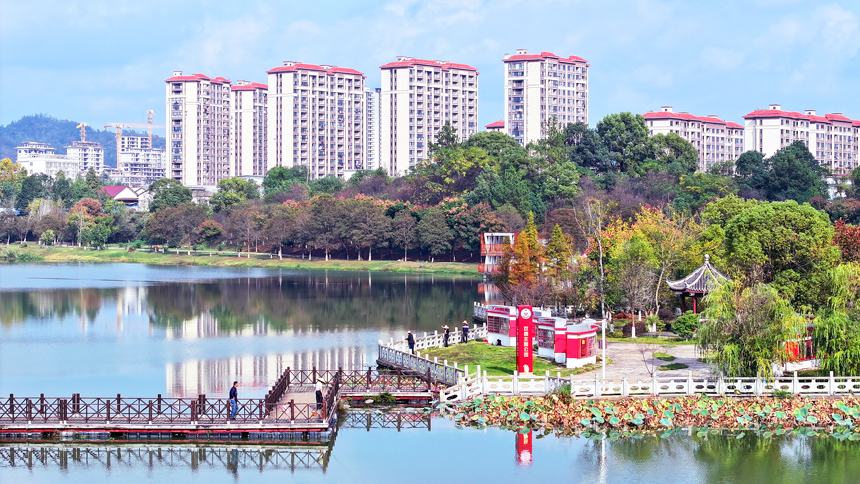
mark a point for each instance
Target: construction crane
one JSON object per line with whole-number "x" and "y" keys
{"x": 83, "y": 128}
{"x": 119, "y": 126}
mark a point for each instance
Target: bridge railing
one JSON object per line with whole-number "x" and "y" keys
{"x": 154, "y": 411}
{"x": 480, "y": 384}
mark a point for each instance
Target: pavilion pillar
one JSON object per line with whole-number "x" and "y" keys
{"x": 683, "y": 303}
{"x": 695, "y": 306}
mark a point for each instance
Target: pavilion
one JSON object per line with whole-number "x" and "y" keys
{"x": 697, "y": 284}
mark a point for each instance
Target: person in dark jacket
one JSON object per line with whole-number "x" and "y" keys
{"x": 465, "y": 338}
{"x": 446, "y": 335}
{"x": 410, "y": 340}
{"x": 234, "y": 400}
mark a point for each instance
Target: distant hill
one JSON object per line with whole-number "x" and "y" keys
{"x": 60, "y": 133}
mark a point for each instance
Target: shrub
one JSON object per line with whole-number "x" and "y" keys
{"x": 137, "y": 244}
{"x": 24, "y": 245}
{"x": 686, "y": 325}
{"x": 200, "y": 247}
{"x": 654, "y": 321}
{"x": 628, "y": 329}
{"x": 222, "y": 246}
{"x": 47, "y": 237}
{"x": 666, "y": 314}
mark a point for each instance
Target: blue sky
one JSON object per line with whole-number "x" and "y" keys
{"x": 105, "y": 61}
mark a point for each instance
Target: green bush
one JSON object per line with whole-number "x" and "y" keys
{"x": 47, "y": 237}
{"x": 137, "y": 244}
{"x": 24, "y": 245}
{"x": 654, "y": 320}
{"x": 222, "y": 246}
{"x": 686, "y": 325}
{"x": 200, "y": 247}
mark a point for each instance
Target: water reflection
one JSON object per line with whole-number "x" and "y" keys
{"x": 255, "y": 373}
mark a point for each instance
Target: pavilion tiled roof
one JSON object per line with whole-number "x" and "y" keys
{"x": 700, "y": 281}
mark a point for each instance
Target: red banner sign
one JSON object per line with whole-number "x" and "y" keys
{"x": 525, "y": 334}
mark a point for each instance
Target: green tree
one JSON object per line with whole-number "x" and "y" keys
{"x": 433, "y": 232}
{"x": 370, "y": 227}
{"x": 745, "y": 329}
{"x": 62, "y": 188}
{"x": 795, "y": 175}
{"x": 281, "y": 179}
{"x": 784, "y": 244}
{"x": 751, "y": 170}
{"x": 676, "y": 155}
{"x": 445, "y": 138}
{"x": 494, "y": 143}
{"x": 403, "y": 231}
{"x": 836, "y": 337}
{"x": 233, "y": 191}
{"x": 210, "y": 232}
{"x": 167, "y": 193}
{"x": 175, "y": 226}
{"x": 586, "y": 148}
{"x": 33, "y": 187}
{"x": 329, "y": 184}
{"x": 698, "y": 189}
{"x": 92, "y": 180}
{"x": 626, "y": 139}
{"x": 558, "y": 253}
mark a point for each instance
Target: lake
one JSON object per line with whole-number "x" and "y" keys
{"x": 142, "y": 330}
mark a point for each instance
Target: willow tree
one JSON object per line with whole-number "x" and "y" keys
{"x": 837, "y": 326}
{"x": 745, "y": 329}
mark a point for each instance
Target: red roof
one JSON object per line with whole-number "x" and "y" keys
{"x": 689, "y": 117}
{"x": 546, "y": 55}
{"x": 313, "y": 67}
{"x": 198, "y": 77}
{"x": 497, "y": 124}
{"x": 249, "y": 87}
{"x": 423, "y": 62}
{"x": 837, "y": 117}
{"x": 856, "y": 123}
{"x": 113, "y": 191}
{"x": 776, "y": 113}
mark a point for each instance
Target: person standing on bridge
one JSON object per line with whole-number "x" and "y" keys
{"x": 446, "y": 335}
{"x": 234, "y": 400}
{"x": 465, "y": 338}
{"x": 318, "y": 388}
{"x": 410, "y": 340}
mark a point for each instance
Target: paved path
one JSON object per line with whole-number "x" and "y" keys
{"x": 626, "y": 359}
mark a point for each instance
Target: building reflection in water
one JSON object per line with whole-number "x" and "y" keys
{"x": 255, "y": 374}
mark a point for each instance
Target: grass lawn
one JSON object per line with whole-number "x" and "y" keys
{"x": 74, "y": 254}
{"x": 653, "y": 340}
{"x": 497, "y": 360}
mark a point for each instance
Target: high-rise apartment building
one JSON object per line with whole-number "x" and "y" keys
{"x": 41, "y": 158}
{"x": 372, "y": 110}
{"x": 139, "y": 163}
{"x": 198, "y": 128}
{"x": 418, "y": 98}
{"x": 831, "y": 138}
{"x": 539, "y": 87}
{"x": 248, "y": 150}
{"x": 316, "y": 119}
{"x": 715, "y": 140}
{"x": 88, "y": 154}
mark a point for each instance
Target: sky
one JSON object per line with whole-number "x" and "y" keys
{"x": 106, "y": 61}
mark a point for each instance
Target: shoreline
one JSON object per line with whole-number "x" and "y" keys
{"x": 203, "y": 258}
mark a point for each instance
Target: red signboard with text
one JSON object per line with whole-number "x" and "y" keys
{"x": 525, "y": 334}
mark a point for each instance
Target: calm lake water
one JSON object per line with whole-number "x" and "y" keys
{"x": 141, "y": 330}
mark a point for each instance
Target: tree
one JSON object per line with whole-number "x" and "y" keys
{"x": 745, "y": 329}
{"x": 11, "y": 177}
{"x": 281, "y": 179}
{"x": 321, "y": 225}
{"x": 175, "y": 226}
{"x": 469, "y": 224}
{"x": 96, "y": 233}
{"x": 752, "y": 170}
{"x": 434, "y": 233}
{"x": 845, "y": 209}
{"x": 92, "y": 180}
{"x": 854, "y": 190}
{"x": 677, "y": 155}
{"x": 847, "y": 237}
{"x": 633, "y": 270}
{"x": 209, "y": 232}
{"x": 370, "y": 227}
{"x": 233, "y": 191}
{"x": 403, "y": 231}
{"x": 62, "y": 188}
{"x": 494, "y": 143}
{"x": 795, "y": 175}
{"x": 328, "y": 184}
{"x": 783, "y": 244}
{"x": 698, "y": 189}
{"x": 592, "y": 217}
{"x": 586, "y": 148}
{"x": 625, "y": 137}
{"x": 557, "y": 253}
{"x": 167, "y": 193}
{"x": 445, "y": 138}
{"x": 836, "y": 337}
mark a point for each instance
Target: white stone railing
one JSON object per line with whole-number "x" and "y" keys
{"x": 397, "y": 354}
{"x": 480, "y": 384}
